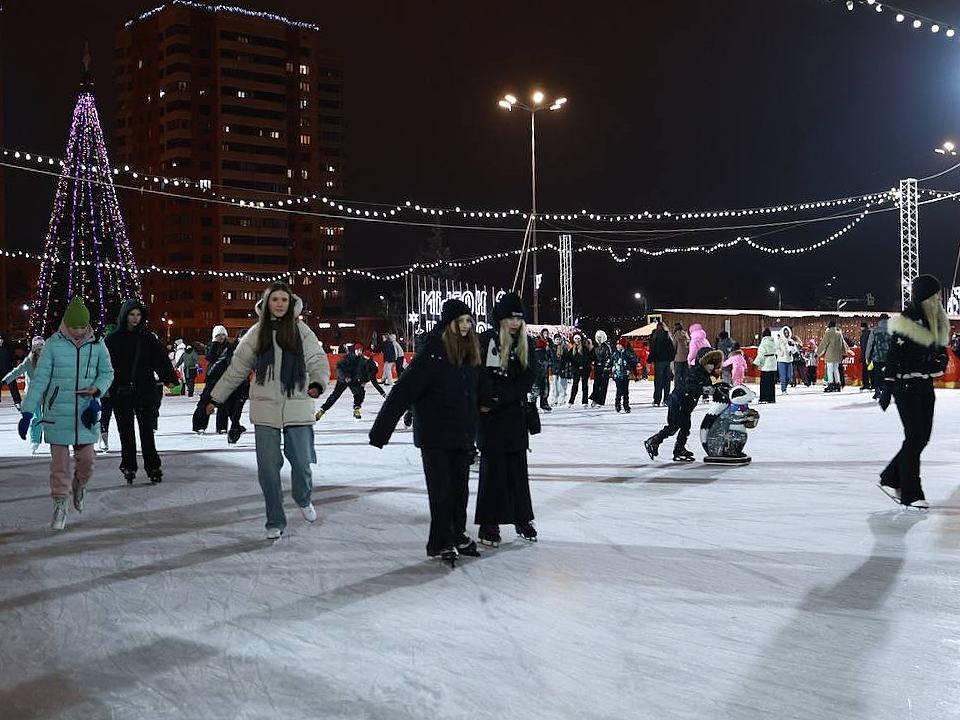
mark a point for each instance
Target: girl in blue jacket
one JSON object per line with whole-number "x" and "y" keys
{"x": 73, "y": 371}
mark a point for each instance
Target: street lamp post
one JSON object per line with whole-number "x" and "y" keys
{"x": 779, "y": 299}
{"x": 643, "y": 304}
{"x": 510, "y": 102}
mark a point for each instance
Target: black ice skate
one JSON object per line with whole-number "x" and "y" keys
{"x": 128, "y": 475}
{"x": 489, "y": 535}
{"x": 652, "y": 447}
{"x": 449, "y": 556}
{"x": 467, "y": 547}
{"x": 682, "y": 455}
{"x": 527, "y": 532}
{"x": 891, "y": 492}
{"x": 156, "y": 476}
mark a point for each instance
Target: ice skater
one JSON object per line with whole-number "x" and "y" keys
{"x": 233, "y": 407}
{"x": 681, "y": 403}
{"x": 73, "y": 371}
{"x": 354, "y": 370}
{"x": 506, "y": 353}
{"x": 623, "y": 361}
{"x": 25, "y": 370}
{"x": 290, "y": 371}
{"x": 917, "y": 355}
{"x": 441, "y": 384}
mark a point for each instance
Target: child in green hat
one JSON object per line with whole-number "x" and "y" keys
{"x": 73, "y": 371}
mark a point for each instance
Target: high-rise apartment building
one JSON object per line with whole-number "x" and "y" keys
{"x": 251, "y": 105}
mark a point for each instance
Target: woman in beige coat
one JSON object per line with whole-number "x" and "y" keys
{"x": 291, "y": 370}
{"x": 833, "y": 348}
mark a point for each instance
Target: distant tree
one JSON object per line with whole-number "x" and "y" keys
{"x": 435, "y": 250}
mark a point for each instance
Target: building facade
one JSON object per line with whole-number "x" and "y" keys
{"x": 249, "y": 105}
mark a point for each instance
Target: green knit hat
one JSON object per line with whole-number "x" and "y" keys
{"x": 77, "y": 314}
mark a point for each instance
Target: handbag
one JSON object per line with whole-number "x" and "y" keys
{"x": 532, "y": 417}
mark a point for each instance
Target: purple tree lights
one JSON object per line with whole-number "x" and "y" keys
{"x": 87, "y": 251}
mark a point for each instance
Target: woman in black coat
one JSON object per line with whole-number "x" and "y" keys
{"x": 441, "y": 384}
{"x": 507, "y": 354}
{"x": 580, "y": 362}
{"x": 917, "y": 354}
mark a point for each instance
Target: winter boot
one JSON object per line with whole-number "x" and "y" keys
{"x": 234, "y": 434}
{"x": 681, "y": 454}
{"x": 527, "y": 532}
{"x": 128, "y": 475}
{"x": 79, "y": 491}
{"x": 626, "y": 408}
{"x": 466, "y": 546}
{"x": 59, "y": 514}
{"x": 489, "y": 535}
{"x": 652, "y": 445}
{"x": 356, "y": 413}
{"x": 155, "y": 475}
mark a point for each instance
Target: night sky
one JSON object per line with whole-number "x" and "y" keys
{"x": 680, "y": 106}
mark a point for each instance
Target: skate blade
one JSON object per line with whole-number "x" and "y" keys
{"x": 891, "y": 493}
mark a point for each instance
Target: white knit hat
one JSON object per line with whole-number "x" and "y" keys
{"x": 37, "y": 343}
{"x": 218, "y": 330}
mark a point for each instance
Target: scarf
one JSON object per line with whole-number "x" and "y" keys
{"x": 293, "y": 368}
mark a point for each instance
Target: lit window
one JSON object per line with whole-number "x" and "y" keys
{"x": 275, "y": 134}
{"x": 304, "y": 174}
{"x": 139, "y": 64}
{"x": 304, "y": 69}
{"x": 289, "y": 173}
{"x": 226, "y": 128}
{"x": 304, "y": 104}
{"x": 304, "y": 86}
{"x": 289, "y": 67}
{"x": 304, "y": 139}
{"x": 241, "y": 93}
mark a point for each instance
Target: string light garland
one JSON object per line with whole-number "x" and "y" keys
{"x": 228, "y": 9}
{"x": 906, "y": 17}
{"x": 368, "y": 211}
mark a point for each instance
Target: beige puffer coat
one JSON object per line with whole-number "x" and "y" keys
{"x": 268, "y": 404}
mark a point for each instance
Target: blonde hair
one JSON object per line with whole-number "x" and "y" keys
{"x": 460, "y": 348}
{"x": 506, "y": 338}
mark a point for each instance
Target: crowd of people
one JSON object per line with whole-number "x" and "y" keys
{"x": 471, "y": 399}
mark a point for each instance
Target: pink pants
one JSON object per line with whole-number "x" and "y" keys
{"x": 61, "y": 479}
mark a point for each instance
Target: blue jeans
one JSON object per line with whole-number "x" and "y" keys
{"x": 298, "y": 449}
{"x": 786, "y": 374}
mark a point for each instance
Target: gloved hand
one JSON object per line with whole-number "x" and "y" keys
{"x": 23, "y": 427}
{"x": 885, "y": 397}
{"x": 91, "y": 416}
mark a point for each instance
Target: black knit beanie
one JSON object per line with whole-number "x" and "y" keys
{"x": 922, "y": 287}
{"x": 509, "y": 305}
{"x": 452, "y": 309}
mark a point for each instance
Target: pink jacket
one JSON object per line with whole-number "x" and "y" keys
{"x": 739, "y": 367}
{"x": 698, "y": 341}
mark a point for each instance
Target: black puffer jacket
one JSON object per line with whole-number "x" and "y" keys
{"x": 560, "y": 362}
{"x": 444, "y": 399}
{"x": 916, "y": 350}
{"x": 662, "y": 348}
{"x": 690, "y": 389}
{"x": 123, "y": 344}
{"x": 357, "y": 368}
{"x": 504, "y": 428}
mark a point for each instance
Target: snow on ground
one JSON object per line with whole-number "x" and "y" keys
{"x": 790, "y": 588}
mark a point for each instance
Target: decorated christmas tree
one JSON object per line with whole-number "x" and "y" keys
{"x": 87, "y": 252}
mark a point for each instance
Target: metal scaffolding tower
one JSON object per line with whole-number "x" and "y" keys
{"x": 909, "y": 238}
{"x": 566, "y": 280}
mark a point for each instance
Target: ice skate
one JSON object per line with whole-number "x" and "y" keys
{"x": 79, "y": 492}
{"x": 527, "y": 532}
{"x": 309, "y": 513}
{"x": 489, "y": 535}
{"x": 921, "y": 505}
{"x": 449, "y": 556}
{"x": 652, "y": 446}
{"x": 156, "y": 476}
{"x": 466, "y": 546}
{"x": 274, "y": 533}
{"x": 891, "y": 492}
{"x": 356, "y": 414}
{"x": 682, "y": 455}
{"x": 128, "y": 475}
{"x": 234, "y": 434}
{"x": 59, "y": 514}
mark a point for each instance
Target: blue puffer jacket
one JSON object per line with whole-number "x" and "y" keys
{"x": 63, "y": 369}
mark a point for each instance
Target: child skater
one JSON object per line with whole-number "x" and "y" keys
{"x": 682, "y": 401}
{"x": 73, "y": 371}
{"x": 737, "y": 364}
{"x": 442, "y": 385}
{"x": 26, "y": 369}
{"x": 354, "y": 370}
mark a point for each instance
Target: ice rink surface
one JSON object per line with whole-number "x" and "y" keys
{"x": 789, "y": 588}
